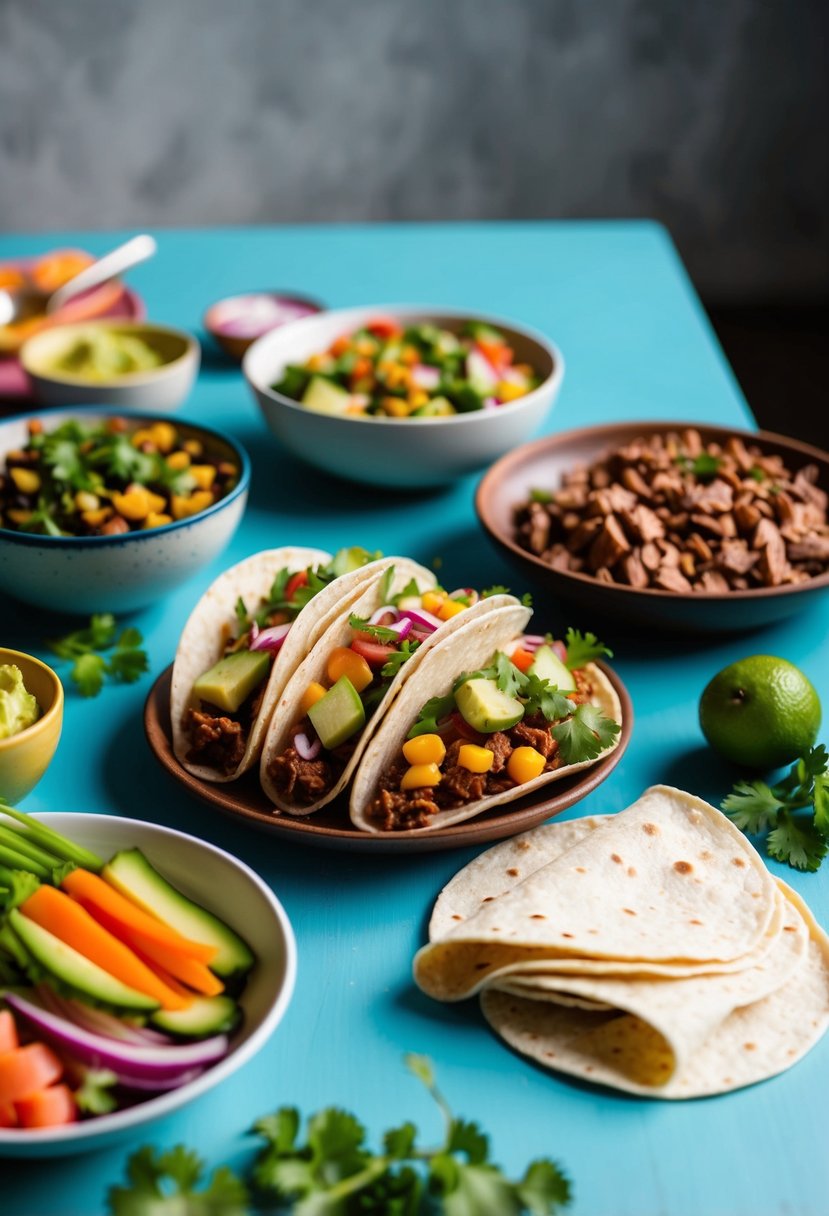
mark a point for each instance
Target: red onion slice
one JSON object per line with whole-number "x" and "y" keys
{"x": 426, "y": 377}
{"x": 386, "y": 610}
{"x": 402, "y": 628}
{"x": 531, "y": 642}
{"x": 271, "y": 639}
{"x": 306, "y": 748}
{"x": 468, "y": 593}
{"x": 421, "y": 619}
{"x": 492, "y": 403}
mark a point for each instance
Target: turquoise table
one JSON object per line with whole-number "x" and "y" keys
{"x": 616, "y": 299}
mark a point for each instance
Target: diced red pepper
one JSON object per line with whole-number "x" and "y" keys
{"x": 383, "y": 327}
{"x": 294, "y": 583}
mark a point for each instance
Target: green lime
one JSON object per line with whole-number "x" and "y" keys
{"x": 760, "y": 712}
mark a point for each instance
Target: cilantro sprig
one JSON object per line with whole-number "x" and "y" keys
{"x": 380, "y": 633}
{"x": 798, "y": 838}
{"x": 583, "y": 648}
{"x": 126, "y": 662}
{"x": 332, "y": 1171}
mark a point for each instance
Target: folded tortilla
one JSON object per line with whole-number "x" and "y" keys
{"x": 468, "y": 649}
{"x": 202, "y": 640}
{"x": 314, "y": 668}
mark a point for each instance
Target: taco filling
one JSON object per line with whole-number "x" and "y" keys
{"x": 335, "y": 714}
{"x": 529, "y": 712}
{"x": 227, "y": 698}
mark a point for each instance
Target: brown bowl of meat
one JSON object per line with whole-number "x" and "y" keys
{"x": 684, "y": 525}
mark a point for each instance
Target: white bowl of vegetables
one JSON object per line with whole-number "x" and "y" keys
{"x": 403, "y": 396}
{"x": 139, "y": 967}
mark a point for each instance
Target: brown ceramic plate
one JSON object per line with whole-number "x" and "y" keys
{"x": 331, "y": 827}
{"x": 541, "y": 465}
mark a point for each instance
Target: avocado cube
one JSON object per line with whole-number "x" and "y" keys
{"x": 548, "y": 666}
{"x": 338, "y": 715}
{"x": 231, "y": 681}
{"x": 485, "y": 708}
{"x": 324, "y": 397}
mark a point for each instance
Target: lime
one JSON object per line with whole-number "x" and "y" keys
{"x": 760, "y": 712}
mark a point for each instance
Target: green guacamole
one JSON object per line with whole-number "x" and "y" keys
{"x": 18, "y": 708}
{"x": 107, "y": 354}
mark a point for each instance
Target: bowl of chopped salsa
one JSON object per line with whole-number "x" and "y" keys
{"x": 101, "y": 510}
{"x": 403, "y": 396}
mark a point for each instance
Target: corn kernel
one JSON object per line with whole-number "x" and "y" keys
{"x": 450, "y": 608}
{"x": 510, "y": 392}
{"x": 141, "y": 436}
{"x": 163, "y": 436}
{"x": 157, "y": 519}
{"x": 524, "y": 764}
{"x": 419, "y": 775}
{"x": 19, "y": 516}
{"x": 432, "y": 601}
{"x": 203, "y": 474}
{"x": 182, "y": 506}
{"x": 475, "y": 759}
{"x": 26, "y": 480}
{"x": 313, "y": 693}
{"x": 194, "y": 447}
{"x": 157, "y": 502}
{"x": 396, "y": 407}
{"x": 134, "y": 505}
{"x": 417, "y": 398}
{"x": 85, "y": 501}
{"x": 346, "y": 662}
{"x": 94, "y": 519}
{"x": 179, "y": 460}
{"x": 410, "y": 355}
{"x": 424, "y": 749}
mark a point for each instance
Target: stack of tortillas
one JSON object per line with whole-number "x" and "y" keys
{"x": 650, "y": 951}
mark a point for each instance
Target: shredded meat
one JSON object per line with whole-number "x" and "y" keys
{"x": 537, "y": 737}
{"x": 216, "y": 741}
{"x": 458, "y": 786}
{"x": 301, "y": 780}
{"x": 397, "y": 812}
{"x": 501, "y": 749}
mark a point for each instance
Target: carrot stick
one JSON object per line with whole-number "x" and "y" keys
{"x": 50, "y": 1107}
{"x": 8, "y": 1032}
{"x": 27, "y": 1070}
{"x": 194, "y": 974}
{"x": 122, "y": 914}
{"x": 70, "y": 921}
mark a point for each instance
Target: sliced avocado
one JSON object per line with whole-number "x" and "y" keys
{"x": 548, "y": 666}
{"x": 324, "y": 397}
{"x": 339, "y": 714}
{"x": 437, "y": 407}
{"x": 131, "y": 874}
{"x": 71, "y": 967}
{"x": 206, "y": 1016}
{"x": 231, "y": 681}
{"x": 485, "y": 708}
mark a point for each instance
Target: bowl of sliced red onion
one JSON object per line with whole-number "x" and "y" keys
{"x": 237, "y": 321}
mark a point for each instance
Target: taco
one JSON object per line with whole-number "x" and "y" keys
{"x": 495, "y": 714}
{"x": 340, "y": 693}
{"x": 242, "y": 641}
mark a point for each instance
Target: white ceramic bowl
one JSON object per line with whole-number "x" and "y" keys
{"x": 400, "y": 452}
{"x": 83, "y": 574}
{"x": 231, "y": 890}
{"x": 161, "y": 388}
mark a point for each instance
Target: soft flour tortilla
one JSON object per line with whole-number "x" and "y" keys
{"x": 505, "y": 865}
{"x": 202, "y": 640}
{"x": 314, "y": 668}
{"x": 468, "y": 650}
{"x": 685, "y": 1038}
{"x": 669, "y": 880}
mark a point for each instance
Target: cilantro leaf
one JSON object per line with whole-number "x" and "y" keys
{"x": 540, "y": 696}
{"x": 704, "y": 466}
{"x": 128, "y": 665}
{"x": 813, "y": 764}
{"x": 399, "y": 1142}
{"x": 542, "y": 496}
{"x": 585, "y": 735}
{"x": 507, "y": 676}
{"x": 469, "y": 1190}
{"x": 469, "y": 1139}
{"x": 496, "y": 589}
{"x": 797, "y": 842}
{"x": 396, "y": 660}
{"x": 752, "y": 806}
{"x": 242, "y": 618}
{"x": 88, "y": 673}
{"x": 15, "y": 887}
{"x": 544, "y": 1187}
{"x": 93, "y": 1095}
{"x": 433, "y": 712}
{"x": 409, "y": 592}
{"x": 380, "y": 633}
{"x": 527, "y": 599}
{"x": 583, "y": 648}
{"x": 821, "y": 800}
{"x": 161, "y": 1181}
{"x": 385, "y": 585}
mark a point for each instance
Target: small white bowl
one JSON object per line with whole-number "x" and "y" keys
{"x": 400, "y": 452}
{"x": 84, "y": 574}
{"x": 234, "y": 892}
{"x": 160, "y": 388}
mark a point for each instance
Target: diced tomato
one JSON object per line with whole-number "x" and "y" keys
{"x": 374, "y": 653}
{"x": 383, "y": 327}
{"x": 294, "y": 583}
{"x": 496, "y": 353}
{"x": 465, "y": 730}
{"x": 522, "y": 659}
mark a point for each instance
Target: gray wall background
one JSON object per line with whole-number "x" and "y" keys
{"x": 707, "y": 114}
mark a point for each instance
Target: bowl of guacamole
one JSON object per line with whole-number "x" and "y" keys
{"x": 128, "y": 364}
{"x": 31, "y": 717}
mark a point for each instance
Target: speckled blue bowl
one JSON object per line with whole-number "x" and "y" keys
{"x": 117, "y": 573}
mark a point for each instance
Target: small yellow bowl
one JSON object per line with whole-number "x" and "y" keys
{"x": 25, "y": 757}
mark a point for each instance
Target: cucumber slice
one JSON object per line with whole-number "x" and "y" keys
{"x": 208, "y": 1015}
{"x": 548, "y": 666}
{"x": 339, "y": 714}
{"x": 482, "y": 704}
{"x": 324, "y": 397}
{"x": 68, "y": 965}
{"x": 131, "y": 874}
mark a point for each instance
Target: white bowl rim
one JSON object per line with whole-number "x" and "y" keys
{"x": 550, "y": 382}
{"x": 192, "y": 347}
{"x": 166, "y": 1103}
{"x": 123, "y": 538}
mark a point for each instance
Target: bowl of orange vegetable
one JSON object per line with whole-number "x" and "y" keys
{"x": 139, "y": 968}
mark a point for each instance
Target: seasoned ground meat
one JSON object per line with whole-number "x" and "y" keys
{"x": 536, "y": 737}
{"x": 458, "y": 786}
{"x": 301, "y": 780}
{"x": 397, "y": 812}
{"x": 216, "y": 740}
{"x": 501, "y": 748}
